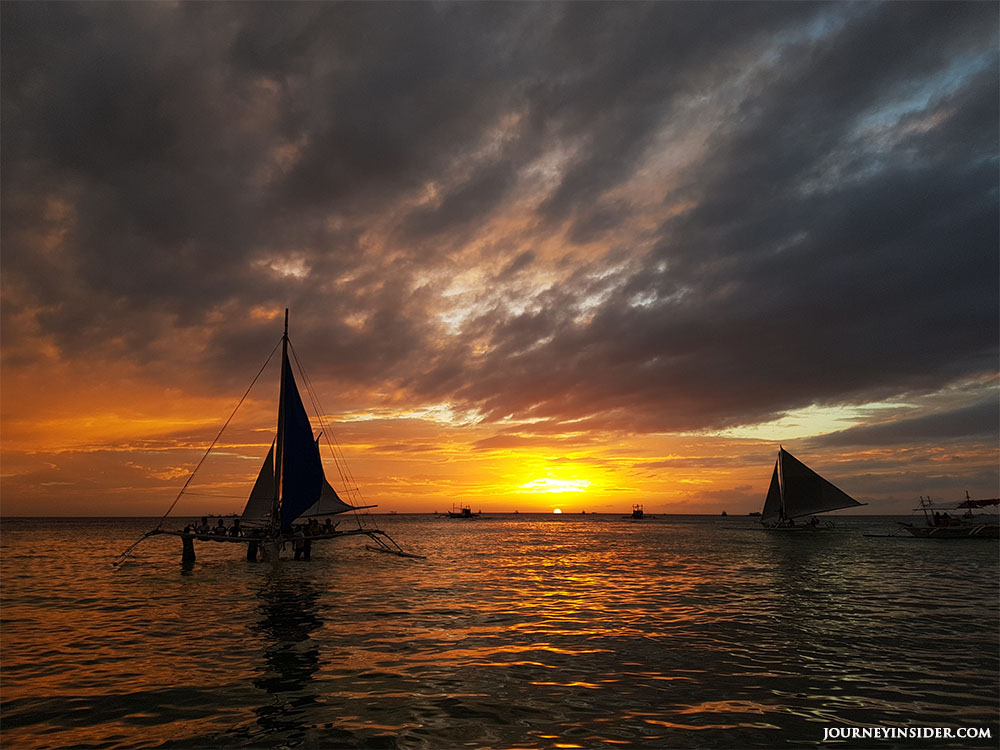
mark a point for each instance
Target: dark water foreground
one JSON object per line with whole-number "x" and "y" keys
{"x": 517, "y": 632}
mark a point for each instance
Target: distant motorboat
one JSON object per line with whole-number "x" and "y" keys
{"x": 968, "y": 525}
{"x": 637, "y": 513}
{"x": 796, "y": 491}
{"x": 463, "y": 511}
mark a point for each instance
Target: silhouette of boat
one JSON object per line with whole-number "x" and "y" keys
{"x": 940, "y": 524}
{"x": 796, "y": 491}
{"x": 637, "y": 513}
{"x": 291, "y": 486}
{"x": 463, "y": 511}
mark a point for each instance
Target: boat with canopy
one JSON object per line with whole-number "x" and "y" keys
{"x": 796, "y": 491}
{"x": 976, "y": 522}
{"x": 291, "y": 487}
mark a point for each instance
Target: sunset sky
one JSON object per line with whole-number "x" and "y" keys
{"x": 536, "y": 255}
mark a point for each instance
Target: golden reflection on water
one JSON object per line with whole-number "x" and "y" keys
{"x": 588, "y": 685}
{"x": 737, "y": 707}
{"x": 514, "y": 633}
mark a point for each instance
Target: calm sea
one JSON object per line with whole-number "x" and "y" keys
{"x": 517, "y": 632}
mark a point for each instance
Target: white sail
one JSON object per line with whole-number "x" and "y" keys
{"x": 804, "y": 492}
{"x": 258, "y": 507}
{"x": 329, "y": 502}
{"x": 772, "y": 504}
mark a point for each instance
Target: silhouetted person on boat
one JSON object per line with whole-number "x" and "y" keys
{"x": 220, "y": 528}
{"x": 203, "y": 527}
{"x": 312, "y": 529}
{"x": 236, "y": 530}
{"x": 252, "y": 545}
{"x": 187, "y": 543}
{"x": 329, "y": 527}
{"x": 300, "y": 542}
{"x": 303, "y": 545}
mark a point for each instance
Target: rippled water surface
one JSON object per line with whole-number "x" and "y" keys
{"x": 517, "y": 631}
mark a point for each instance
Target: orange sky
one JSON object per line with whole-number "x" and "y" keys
{"x": 72, "y": 446}
{"x": 624, "y": 255}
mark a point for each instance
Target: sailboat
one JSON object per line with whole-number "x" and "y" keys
{"x": 797, "y": 491}
{"x": 291, "y": 487}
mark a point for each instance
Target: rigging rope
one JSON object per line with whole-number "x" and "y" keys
{"x": 123, "y": 555}
{"x": 212, "y": 494}
{"x": 349, "y": 483}
{"x": 242, "y": 399}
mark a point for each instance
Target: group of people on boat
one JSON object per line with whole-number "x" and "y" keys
{"x": 943, "y": 519}
{"x": 203, "y": 528}
{"x": 301, "y": 542}
{"x": 785, "y": 522}
{"x": 299, "y": 535}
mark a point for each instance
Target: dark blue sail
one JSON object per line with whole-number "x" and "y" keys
{"x": 302, "y": 475}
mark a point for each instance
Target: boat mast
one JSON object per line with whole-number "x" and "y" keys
{"x": 781, "y": 483}
{"x": 279, "y": 447}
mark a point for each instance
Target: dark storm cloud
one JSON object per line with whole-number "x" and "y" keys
{"x": 825, "y": 230}
{"x": 981, "y": 420}
{"x": 816, "y": 267}
{"x": 634, "y": 62}
{"x": 473, "y": 199}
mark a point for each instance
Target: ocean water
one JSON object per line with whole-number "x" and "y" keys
{"x": 521, "y": 631}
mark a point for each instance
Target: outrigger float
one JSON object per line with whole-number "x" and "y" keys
{"x": 291, "y": 487}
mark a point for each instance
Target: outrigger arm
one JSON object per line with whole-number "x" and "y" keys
{"x": 383, "y": 542}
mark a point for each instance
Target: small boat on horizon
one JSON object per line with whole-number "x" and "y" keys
{"x": 463, "y": 511}
{"x": 796, "y": 491}
{"x": 637, "y": 513}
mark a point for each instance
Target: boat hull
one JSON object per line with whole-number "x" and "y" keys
{"x": 803, "y": 529}
{"x": 965, "y": 531}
